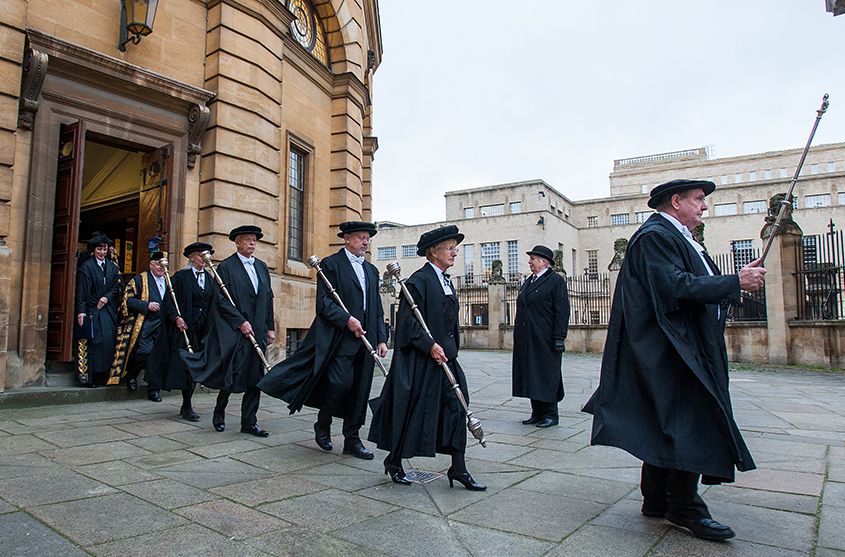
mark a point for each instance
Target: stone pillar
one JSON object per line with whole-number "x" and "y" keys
{"x": 781, "y": 294}
{"x": 495, "y": 314}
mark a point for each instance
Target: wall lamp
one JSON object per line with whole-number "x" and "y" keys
{"x": 136, "y": 21}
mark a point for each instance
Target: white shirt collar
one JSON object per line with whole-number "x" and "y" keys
{"x": 359, "y": 259}
{"x": 250, "y": 260}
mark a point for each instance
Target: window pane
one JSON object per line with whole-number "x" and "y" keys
{"x": 513, "y": 258}
{"x": 516, "y": 206}
{"x": 387, "y": 252}
{"x": 409, "y": 250}
{"x": 592, "y": 222}
{"x": 753, "y": 207}
{"x": 642, "y": 216}
{"x": 469, "y": 262}
{"x": 820, "y": 200}
{"x": 469, "y": 212}
{"x": 724, "y": 209}
{"x": 296, "y": 205}
{"x": 619, "y": 219}
{"x": 492, "y": 210}
{"x": 489, "y": 253}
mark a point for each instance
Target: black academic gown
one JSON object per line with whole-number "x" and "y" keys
{"x": 663, "y": 393}
{"x": 91, "y": 285}
{"x": 542, "y": 317}
{"x": 195, "y": 306}
{"x": 302, "y": 378}
{"x": 228, "y": 360}
{"x": 152, "y": 329}
{"x": 418, "y": 413}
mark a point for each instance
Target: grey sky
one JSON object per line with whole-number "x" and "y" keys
{"x": 474, "y": 93}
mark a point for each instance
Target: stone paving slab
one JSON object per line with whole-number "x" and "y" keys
{"x": 24, "y": 536}
{"x": 125, "y": 476}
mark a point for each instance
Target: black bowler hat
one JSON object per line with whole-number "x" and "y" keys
{"x": 157, "y": 255}
{"x": 433, "y": 237}
{"x": 351, "y": 226}
{"x": 197, "y": 246}
{"x": 544, "y": 252}
{"x": 97, "y": 239}
{"x": 246, "y": 229}
{"x": 661, "y": 192}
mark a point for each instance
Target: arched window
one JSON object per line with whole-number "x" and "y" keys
{"x": 307, "y": 29}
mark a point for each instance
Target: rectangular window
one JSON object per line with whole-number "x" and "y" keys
{"x": 814, "y": 168}
{"x": 592, "y": 222}
{"x": 642, "y": 216}
{"x": 782, "y": 173}
{"x": 767, "y": 174}
{"x": 489, "y": 253}
{"x": 724, "y": 209}
{"x": 831, "y": 167}
{"x": 742, "y": 252}
{"x": 810, "y": 250}
{"x": 752, "y": 176}
{"x": 820, "y": 200}
{"x": 469, "y": 262}
{"x": 513, "y": 258}
{"x": 738, "y": 177}
{"x": 296, "y": 204}
{"x": 293, "y": 338}
{"x": 619, "y": 219}
{"x": 840, "y": 198}
{"x": 592, "y": 261}
{"x": 469, "y": 212}
{"x": 387, "y": 252}
{"x": 516, "y": 207}
{"x": 753, "y": 207}
{"x": 644, "y": 188}
{"x": 574, "y": 260}
{"x": 409, "y": 250}
{"x": 724, "y": 180}
{"x": 492, "y": 210}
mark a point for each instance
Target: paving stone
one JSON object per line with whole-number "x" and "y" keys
{"x": 266, "y": 490}
{"x": 227, "y": 448}
{"x": 28, "y": 464}
{"x": 398, "y": 533}
{"x": 6, "y": 507}
{"x": 626, "y": 515}
{"x": 600, "y": 541}
{"x": 327, "y": 510}
{"x": 92, "y": 454}
{"x": 806, "y": 504}
{"x": 767, "y": 526}
{"x": 555, "y": 518}
{"x": 151, "y": 461}
{"x": 231, "y": 519}
{"x": 779, "y": 480}
{"x": 832, "y": 527}
{"x": 102, "y": 519}
{"x": 584, "y": 487}
{"x": 450, "y": 499}
{"x": 834, "y": 494}
{"x": 71, "y": 437}
{"x": 50, "y": 487}
{"x": 168, "y": 493}
{"x": 22, "y": 444}
{"x": 186, "y": 541}
{"x": 481, "y": 542}
{"x": 678, "y": 543}
{"x": 342, "y": 476}
{"x": 116, "y": 473}
{"x": 287, "y": 458}
{"x": 302, "y": 542}
{"x": 212, "y": 472}
{"x": 828, "y": 552}
{"x": 157, "y": 444}
{"x": 498, "y": 452}
{"x": 156, "y": 427}
{"x": 24, "y": 536}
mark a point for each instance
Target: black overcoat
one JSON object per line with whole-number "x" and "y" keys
{"x": 301, "y": 379}
{"x": 542, "y": 317}
{"x": 194, "y": 306}
{"x": 228, "y": 360}
{"x": 91, "y": 285}
{"x": 418, "y": 413}
{"x": 663, "y": 393}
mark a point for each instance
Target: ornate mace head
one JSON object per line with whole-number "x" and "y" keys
{"x": 206, "y": 256}
{"x": 395, "y": 269}
{"x": 314, "y": 261}
{"x": 163, "y": 262}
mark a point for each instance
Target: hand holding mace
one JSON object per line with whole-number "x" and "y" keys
{"x": 206, "y": 256}
{"x": 314, "y": 261}
{"x": 164, "y": 265}
{"x": 787, "y": 201}
{"x": 473, "y": 424}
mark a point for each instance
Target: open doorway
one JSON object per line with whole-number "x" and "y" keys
{"x": 109, "y": 186}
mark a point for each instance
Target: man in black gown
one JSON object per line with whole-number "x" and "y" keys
{"x": 332, "y": 369}
{"x": 663, "y": 393}
{"x": 98, "y": 292}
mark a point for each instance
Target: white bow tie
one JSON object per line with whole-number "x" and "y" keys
{"x": 249, "y": 261}
{"x": 359, "y": 259}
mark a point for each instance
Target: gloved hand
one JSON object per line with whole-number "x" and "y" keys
{"x": 560, "y": 345}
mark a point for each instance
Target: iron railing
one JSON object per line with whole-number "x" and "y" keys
{"x": 752, "y": 305}
{"x": 820, "y": 277}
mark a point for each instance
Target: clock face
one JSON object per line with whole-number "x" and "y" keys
{"x": 306, "y": 29}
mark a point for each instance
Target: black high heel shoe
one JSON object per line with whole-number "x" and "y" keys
{"x": 396, "y": 473}
{"x": 465, "y": 479}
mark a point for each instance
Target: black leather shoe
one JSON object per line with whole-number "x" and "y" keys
{"x": 653, "y": 511}
{"x": 218, "y": 422}
{"x": 254, "y": 430}
{"x": 547, "y": 422}
{"x": 464, "y": 479}
{"x": 188, "y": 413}
{"x": 530, "y": 421}
{"x": 357, "y": 449}
{"x": 323, "y": 438}
{"x": 90, "y": 385}
{"x": 154, "y": 396}
{"x": 397, "y": 474}
{"x": 132, "y": 385}
{"x": 704, "y": 528}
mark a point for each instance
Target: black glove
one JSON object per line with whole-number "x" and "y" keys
{"x": 560, "y": 346}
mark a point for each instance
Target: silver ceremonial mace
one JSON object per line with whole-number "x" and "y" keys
{"x": 473, "y": 424}
{"x": 787, "y": 201}
{"x": 314, "y": 261}
{"x": 206, "y": 256}
{"x": 164, "y": 264}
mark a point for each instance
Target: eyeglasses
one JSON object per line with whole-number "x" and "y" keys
{"x": 453, "y": 249}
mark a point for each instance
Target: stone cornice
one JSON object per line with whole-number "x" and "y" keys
{"x": 347, "y": 85}
{"x": 106, "y": 72}
{"x": 276, "y": 8}
{"x": 371, "y": 13}
{"x": 312, "y": 68}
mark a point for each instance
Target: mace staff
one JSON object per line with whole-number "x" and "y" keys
{"x": 473, "y": 424}
{"x": 314, "y": 261}
{"x": 164, "y": 265}
{"x": 206, "y": 256}
{"x": 787, "y": 201}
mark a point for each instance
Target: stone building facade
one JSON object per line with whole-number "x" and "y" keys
{"x": 504, "y": 221}
{"x": 231, "y": 112}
